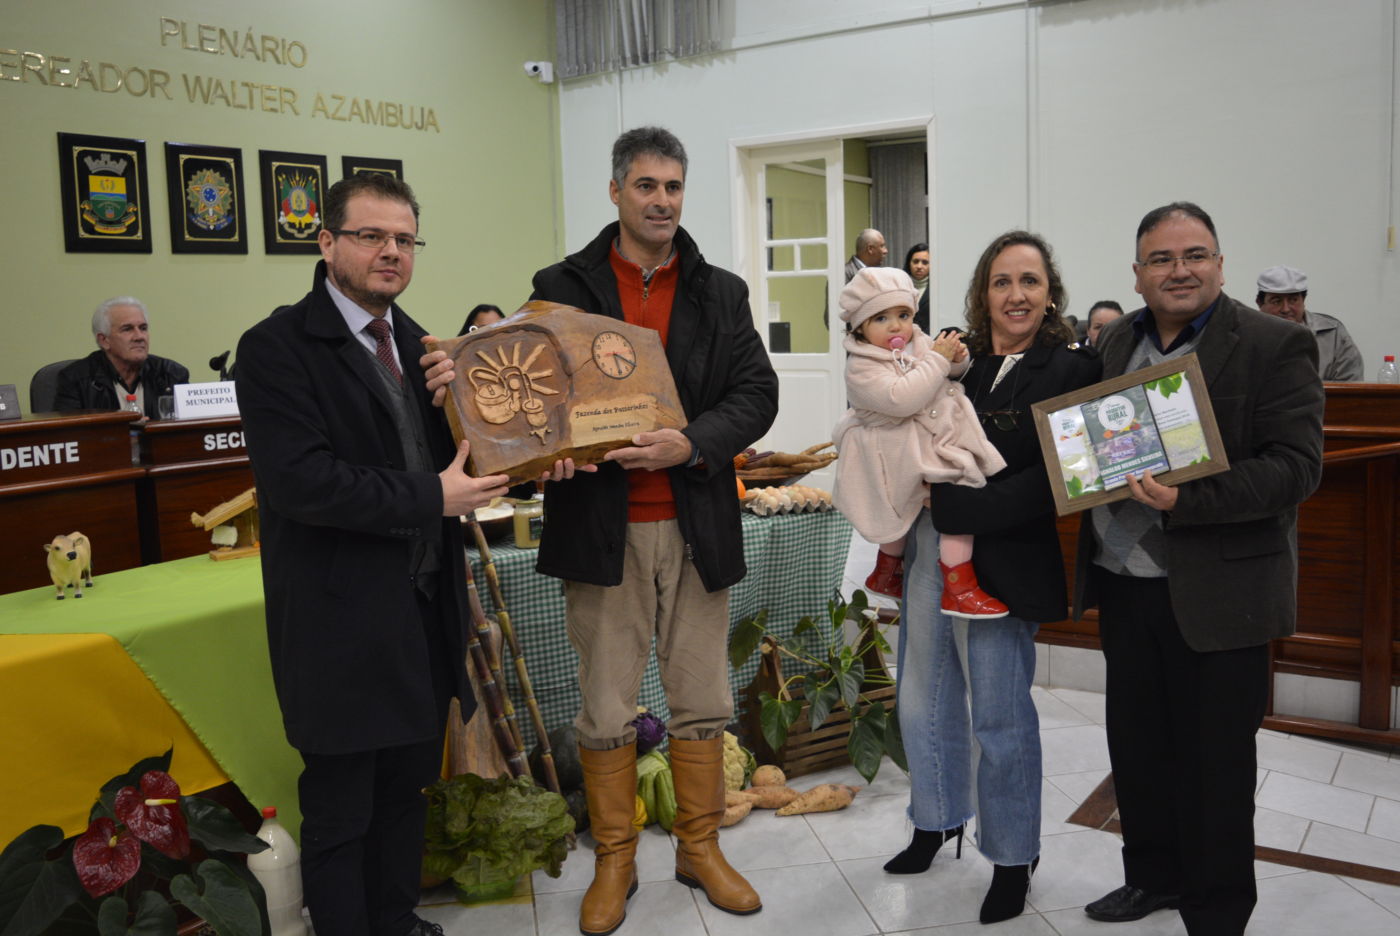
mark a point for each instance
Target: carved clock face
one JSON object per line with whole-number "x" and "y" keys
{"x": 614, "y": 355}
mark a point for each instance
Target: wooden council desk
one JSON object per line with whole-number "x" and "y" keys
{"x": 60, "y": 473}
{"x": 191, "y": 466}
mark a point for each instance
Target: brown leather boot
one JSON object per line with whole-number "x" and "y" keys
{"x": 697, "y": 767}
{"x": 610, "y": 783}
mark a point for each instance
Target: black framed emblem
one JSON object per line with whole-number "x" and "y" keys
{"x": 293, "y": 188}
{"x": 106, "y": 204}
{"x": 207, "y": 213}
{"x": 353, "y": 165}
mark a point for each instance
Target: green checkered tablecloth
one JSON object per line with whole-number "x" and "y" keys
{"x": 795, "y": 563}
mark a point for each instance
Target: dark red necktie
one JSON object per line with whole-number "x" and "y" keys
{"x": 380, "y": 330}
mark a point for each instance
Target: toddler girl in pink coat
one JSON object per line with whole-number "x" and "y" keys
{"x": 908, "y": 426}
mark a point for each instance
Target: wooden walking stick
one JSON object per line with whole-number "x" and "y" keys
{"x": 551, "y": 778}
{"x": 498, "y": 705}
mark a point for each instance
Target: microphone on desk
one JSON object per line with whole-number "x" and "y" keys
{"x": 217, "y": 363}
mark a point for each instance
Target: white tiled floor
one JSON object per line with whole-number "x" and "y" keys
{"x": 821, "y": 875}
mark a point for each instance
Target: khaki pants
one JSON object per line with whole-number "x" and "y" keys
{"x": 611, "y": 628}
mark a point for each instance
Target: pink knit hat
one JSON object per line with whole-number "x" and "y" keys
{"x": 875, "y": 289}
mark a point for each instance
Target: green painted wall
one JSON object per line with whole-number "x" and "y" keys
{"x": 488, "y": 182}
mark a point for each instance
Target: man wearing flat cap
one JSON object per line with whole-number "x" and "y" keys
{"x": 1283, "y": 291}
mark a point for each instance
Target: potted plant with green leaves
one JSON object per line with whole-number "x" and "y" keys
{"x": 148, "y": 852}
{"x": 840, "y": 706}
{"x": 485, "y": 834}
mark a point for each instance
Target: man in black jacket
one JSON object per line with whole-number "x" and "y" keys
{"x": 648, "y": 544}
{"x": 359, "y": 494}
{"x": 122, "y": 365}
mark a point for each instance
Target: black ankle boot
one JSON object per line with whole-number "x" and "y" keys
{"x": 919, "y": 855}
{"x": 1006, "y": 898}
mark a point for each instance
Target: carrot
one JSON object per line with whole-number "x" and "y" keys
{"x": 825, "y": 797}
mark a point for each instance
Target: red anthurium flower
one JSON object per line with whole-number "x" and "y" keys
{"x": 153, "y": 814}
{"x": 104, "y": 858}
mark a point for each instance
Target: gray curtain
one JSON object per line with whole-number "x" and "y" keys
{"x": 601, "y": 35}
{"x": 899, "y": 196}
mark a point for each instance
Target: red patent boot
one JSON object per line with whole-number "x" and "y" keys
{"x": 888, "y": 577}
{"x": 962, "y": 597}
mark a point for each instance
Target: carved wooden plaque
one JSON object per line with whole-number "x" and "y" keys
{"x": 553, "y": 382}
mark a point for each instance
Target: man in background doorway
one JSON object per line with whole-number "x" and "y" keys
{"x": 1283, "y": 291}
{"x": 870, "y": 251}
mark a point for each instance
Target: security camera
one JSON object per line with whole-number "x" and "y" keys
{"x": 544, "y": 71}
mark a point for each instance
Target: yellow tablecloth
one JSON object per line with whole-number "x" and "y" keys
{"x": 74, "y": 712}
{"x": 80, "y": 682}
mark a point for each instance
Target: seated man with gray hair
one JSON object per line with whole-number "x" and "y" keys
{"x": 1283, "y": 291}
{"x": 122, "y": 365}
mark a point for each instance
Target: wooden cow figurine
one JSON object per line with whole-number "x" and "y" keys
{"x": 70, "y": 563}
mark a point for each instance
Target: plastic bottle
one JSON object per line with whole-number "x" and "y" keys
{"x": 1387, "y": 373}
{"x": 278, "y": 870}
{"x": 132, "y": 406}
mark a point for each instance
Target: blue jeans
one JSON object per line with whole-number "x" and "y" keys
{"x": 946, "y": 667}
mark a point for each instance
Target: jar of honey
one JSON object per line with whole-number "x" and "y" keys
{"x": 529, "y": 522}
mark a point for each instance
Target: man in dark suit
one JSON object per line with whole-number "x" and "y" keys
{"x": 870, "y": 251}
{"x": 1192, "y": 583}
{"x": 359, "y": 494}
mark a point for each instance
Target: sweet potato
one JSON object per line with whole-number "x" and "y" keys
{"x": 735, "y": 797}
{"x": 733, "y": 814}
{"x": 773, "y": 797}
{"x": 769, "y": 775}
{"x": 825, "y": 797}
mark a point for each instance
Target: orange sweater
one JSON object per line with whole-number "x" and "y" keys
{"x": 649, "y": 495}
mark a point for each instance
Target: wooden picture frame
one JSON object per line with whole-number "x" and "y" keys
{"x": 293, "y": 190}
{"x": 105, "y": 199}
{"x": 351, "y": 165}
{"x": 1159, "y": 418}
{"x": 207, "y": 196}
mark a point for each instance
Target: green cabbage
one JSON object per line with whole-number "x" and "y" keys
{"x": 655, "y": 787}
{"x": 483, "y": 832}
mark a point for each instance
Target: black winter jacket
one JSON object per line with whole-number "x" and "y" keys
{"x": 729, "y": 392}
{"x": 87, "y": 383}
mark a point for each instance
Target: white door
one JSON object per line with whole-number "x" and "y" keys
{"x": 793, "y": 218}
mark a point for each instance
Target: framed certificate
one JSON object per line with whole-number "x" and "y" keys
{"x": 1157, "y": 419}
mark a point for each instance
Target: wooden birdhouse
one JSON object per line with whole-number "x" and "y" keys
{"x": 553, "y": 382}
{"x": 233, "y": 526}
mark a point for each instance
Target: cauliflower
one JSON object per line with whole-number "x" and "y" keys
{"x": 738, "y": 763}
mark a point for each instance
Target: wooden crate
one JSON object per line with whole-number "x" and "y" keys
{"x": 806, "y": 751}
